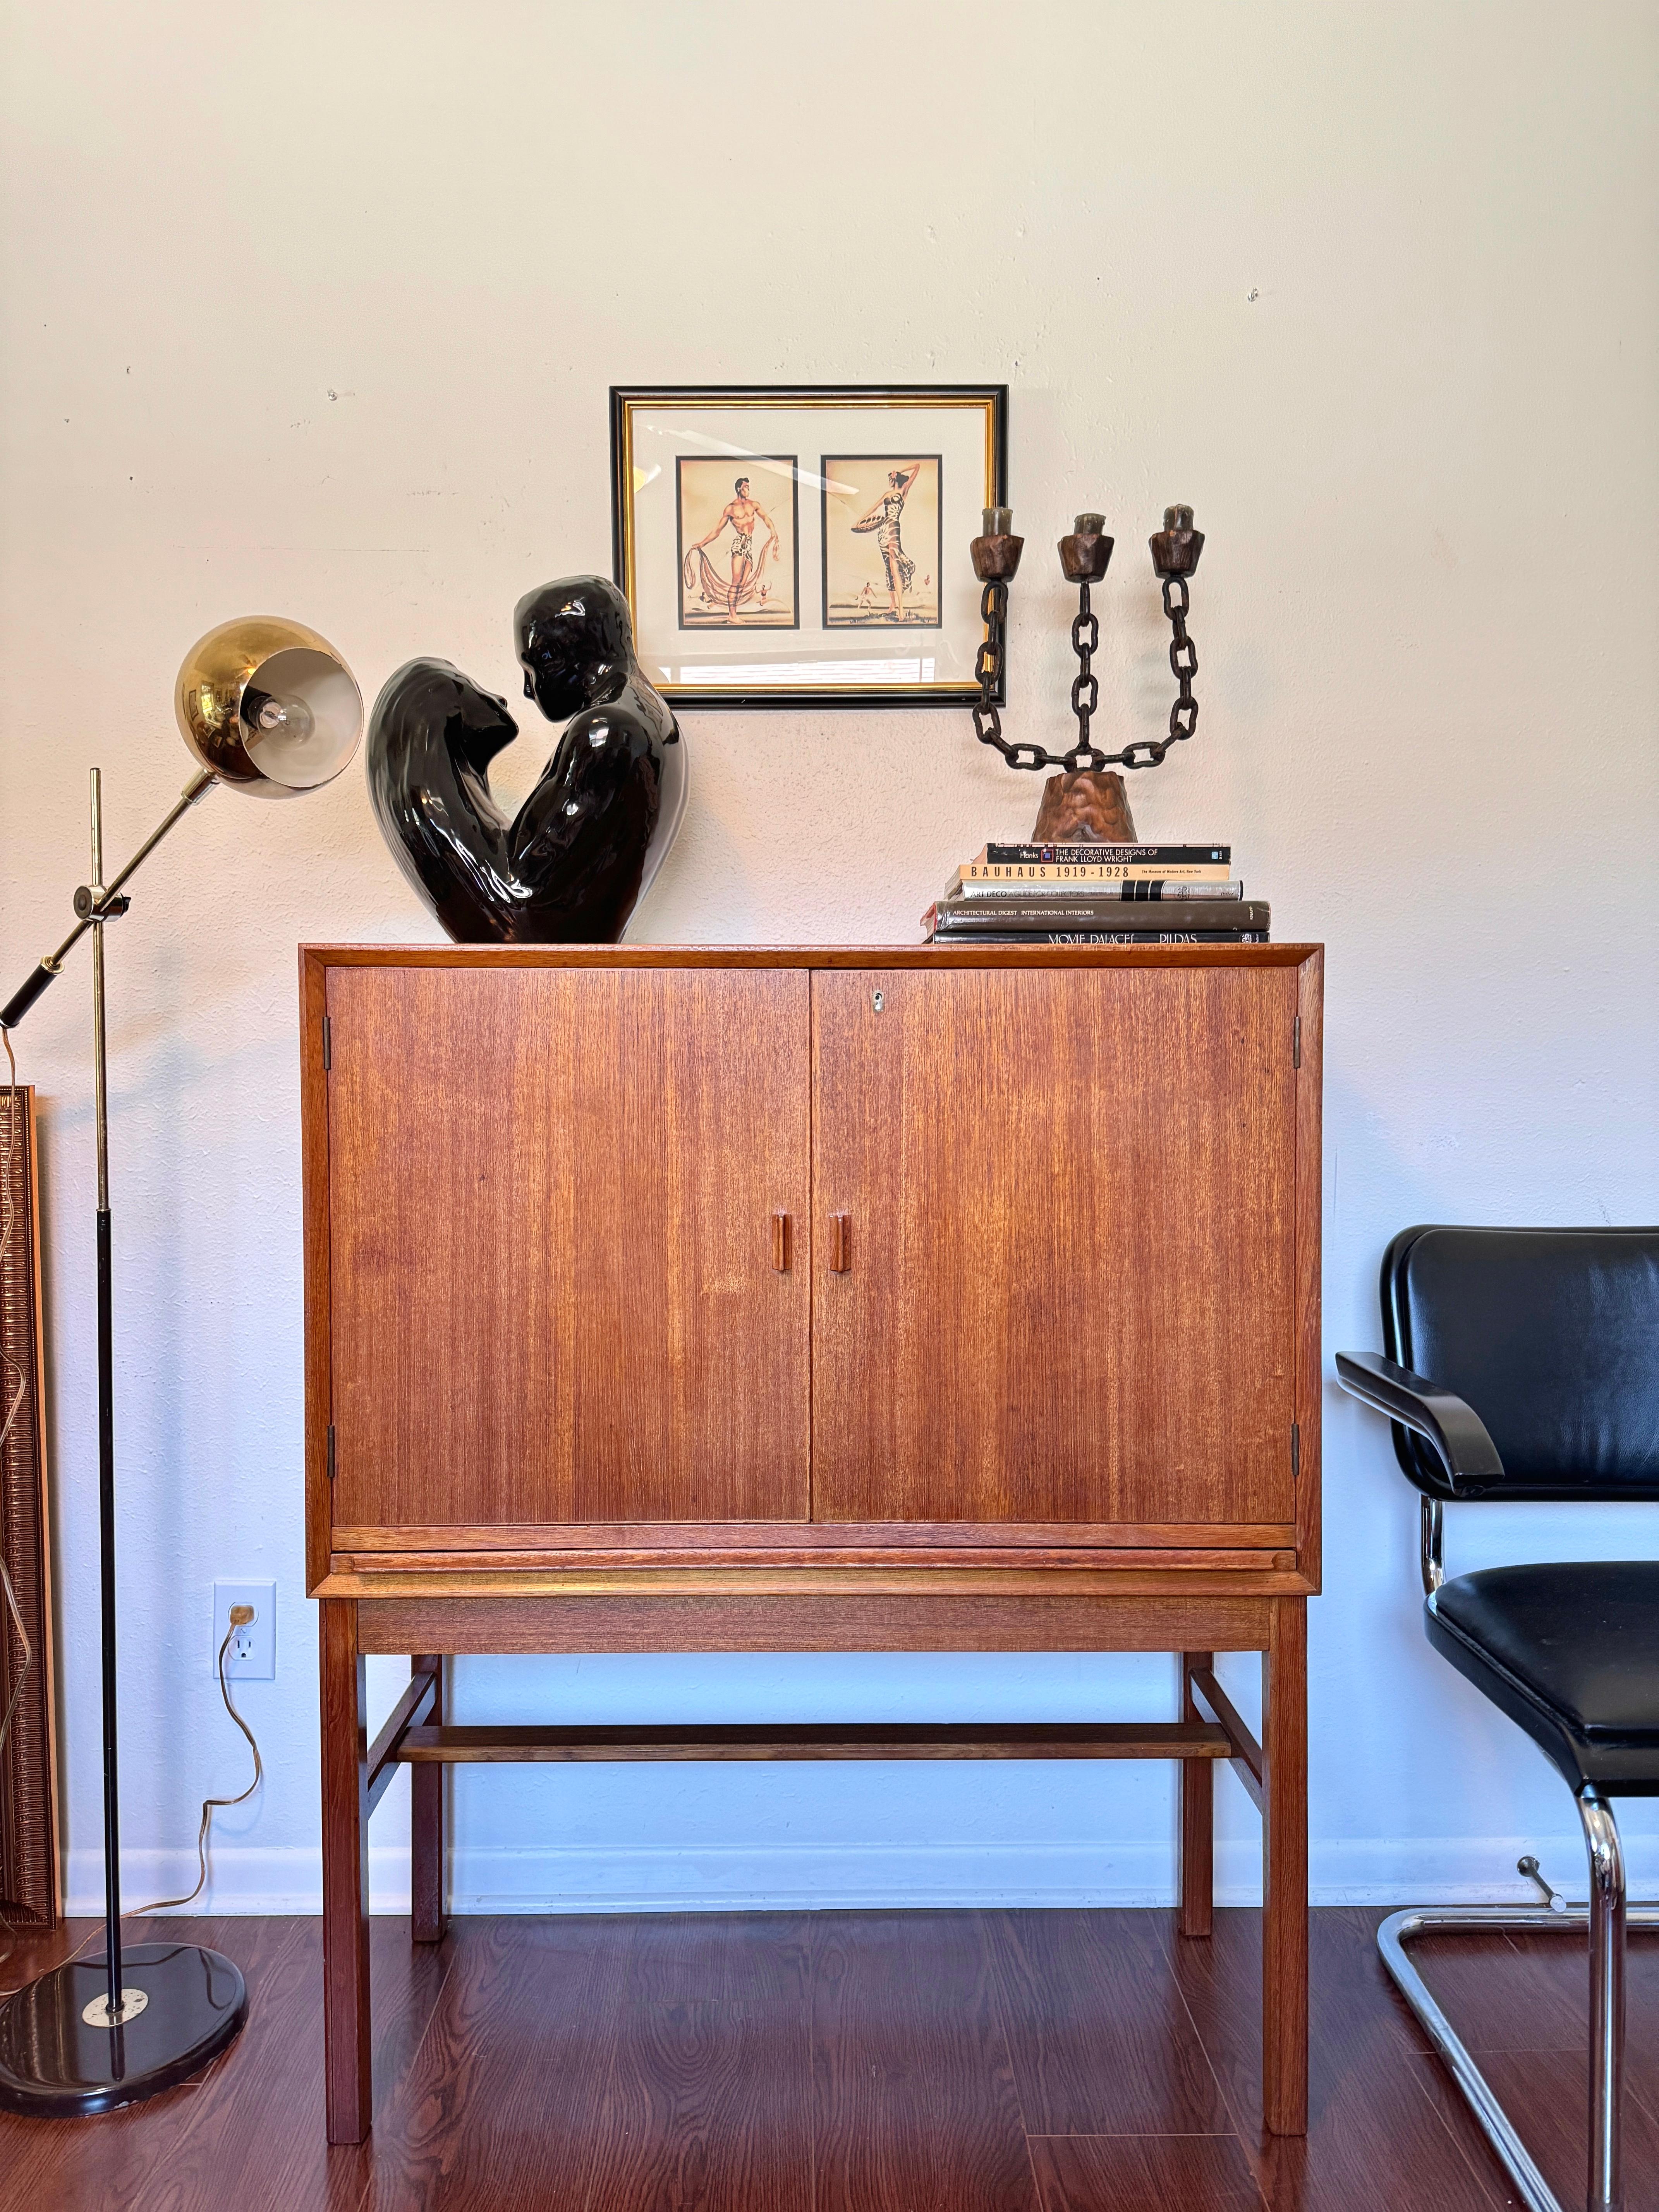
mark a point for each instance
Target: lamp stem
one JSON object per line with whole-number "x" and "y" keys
{"x": 203, "y": 780}
{"x": 50, "y": 963}
{"x": 105, "y": 1432}
{"x": 100, "y": 1104}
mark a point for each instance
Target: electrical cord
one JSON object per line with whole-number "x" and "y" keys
{"x": 241, "y": 1616}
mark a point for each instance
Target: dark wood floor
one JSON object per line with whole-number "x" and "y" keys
{"x": 929, "y": 2062}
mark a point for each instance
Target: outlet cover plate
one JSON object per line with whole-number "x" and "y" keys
{"x": 257, "y": 1662}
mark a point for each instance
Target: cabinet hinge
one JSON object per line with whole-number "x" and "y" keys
{"x": 1295, "y": 1042}
{"x": 331, "y": 1451}
{"x": 328, "y": 1044}
{"x": 1296, "y": 1451}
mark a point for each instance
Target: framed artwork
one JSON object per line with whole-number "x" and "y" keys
{"x": 805, "y": 544}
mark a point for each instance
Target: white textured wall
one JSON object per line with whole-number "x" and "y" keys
{"x": 313, "y": 308}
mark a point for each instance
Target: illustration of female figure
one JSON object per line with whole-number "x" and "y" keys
{"x": 884, "y": 519}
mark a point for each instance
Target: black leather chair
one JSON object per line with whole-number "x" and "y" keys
{"x": 1524, "y": 1364}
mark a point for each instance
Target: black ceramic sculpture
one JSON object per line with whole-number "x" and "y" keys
{"x": 572, "y": 865}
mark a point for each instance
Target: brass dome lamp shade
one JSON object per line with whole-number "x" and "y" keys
{"x": 267, "y": 707}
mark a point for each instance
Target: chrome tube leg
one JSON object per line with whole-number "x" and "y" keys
{"x": 1606, "y": 2000}
{"x": 1431, "y": 1542}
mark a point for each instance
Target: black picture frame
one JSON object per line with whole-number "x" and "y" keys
{"x": 755, "y": 697}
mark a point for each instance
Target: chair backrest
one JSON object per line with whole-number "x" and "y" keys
{"x": 1552, "y": 1335}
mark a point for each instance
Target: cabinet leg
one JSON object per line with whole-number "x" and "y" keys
{"x": 426, "y": 1816}
{"x": 1197, "y": 1817}
{"x": 1284, "y": 1872}
{"x": 345, "y": 1875}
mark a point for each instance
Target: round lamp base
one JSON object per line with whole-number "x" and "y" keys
{"x": 54, "y": 2062}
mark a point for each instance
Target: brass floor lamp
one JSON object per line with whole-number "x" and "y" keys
{"x": 270, "y": 709}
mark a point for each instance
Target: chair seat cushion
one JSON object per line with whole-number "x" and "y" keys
{"x": 1571, "y": 1654}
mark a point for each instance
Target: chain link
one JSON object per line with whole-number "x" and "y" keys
{"x": 1086, "y": 688}
{"x": 1144, "y": 752}
{"x": 1183, "y": 660}
{"x": 987, "y": 668}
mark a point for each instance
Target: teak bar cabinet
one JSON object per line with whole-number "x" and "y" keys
{"x": 812, "y": 1300}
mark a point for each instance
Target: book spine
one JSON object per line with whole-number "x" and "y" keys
{"x": 1135, "y": 889}
{"x": 1103, "y": 936}
{"x": 967, "y": 921}
{"x": 1100, "y": 855}
{"x": 1106, "y": 871}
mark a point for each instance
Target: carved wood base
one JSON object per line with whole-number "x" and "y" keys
{"x": 1090, "y": 806}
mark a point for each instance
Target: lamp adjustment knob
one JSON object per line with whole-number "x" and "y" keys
{"x": 92, "y": 903}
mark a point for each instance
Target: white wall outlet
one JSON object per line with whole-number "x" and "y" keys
{"x": 252, "y": 1654}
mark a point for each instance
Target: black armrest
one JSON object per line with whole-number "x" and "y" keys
{"x": 1455, "y": 1430}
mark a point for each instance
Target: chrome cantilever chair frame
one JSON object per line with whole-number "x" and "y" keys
{"x": 1607, "y": 2039}
{"x": 1461, "y": 1443}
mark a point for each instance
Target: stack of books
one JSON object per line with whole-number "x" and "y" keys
{"x": 1097, "y": 895}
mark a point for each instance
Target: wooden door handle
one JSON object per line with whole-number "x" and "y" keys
{"x": 840, "y": 1242}
{"x": 782, "y": 1227}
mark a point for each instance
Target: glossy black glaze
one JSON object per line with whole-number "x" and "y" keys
{"x": 570, "y": 867}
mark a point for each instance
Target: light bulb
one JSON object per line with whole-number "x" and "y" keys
{"x": 289, "y": 718}
{"x": 301, "y": 715}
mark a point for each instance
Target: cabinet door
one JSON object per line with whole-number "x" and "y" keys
{"x": 1069, "y": 1288}
{"x": 553, "y": 1293}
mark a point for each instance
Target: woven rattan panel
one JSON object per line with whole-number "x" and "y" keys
{"x": 28, "y": 1843}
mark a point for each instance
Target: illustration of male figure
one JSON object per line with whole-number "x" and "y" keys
{"x": 740, "y": 514}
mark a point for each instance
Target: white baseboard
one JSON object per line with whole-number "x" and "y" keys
{"x": 813, "y": 1878}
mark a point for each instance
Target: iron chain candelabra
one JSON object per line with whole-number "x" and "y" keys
{"x": 1083, "y": 555}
